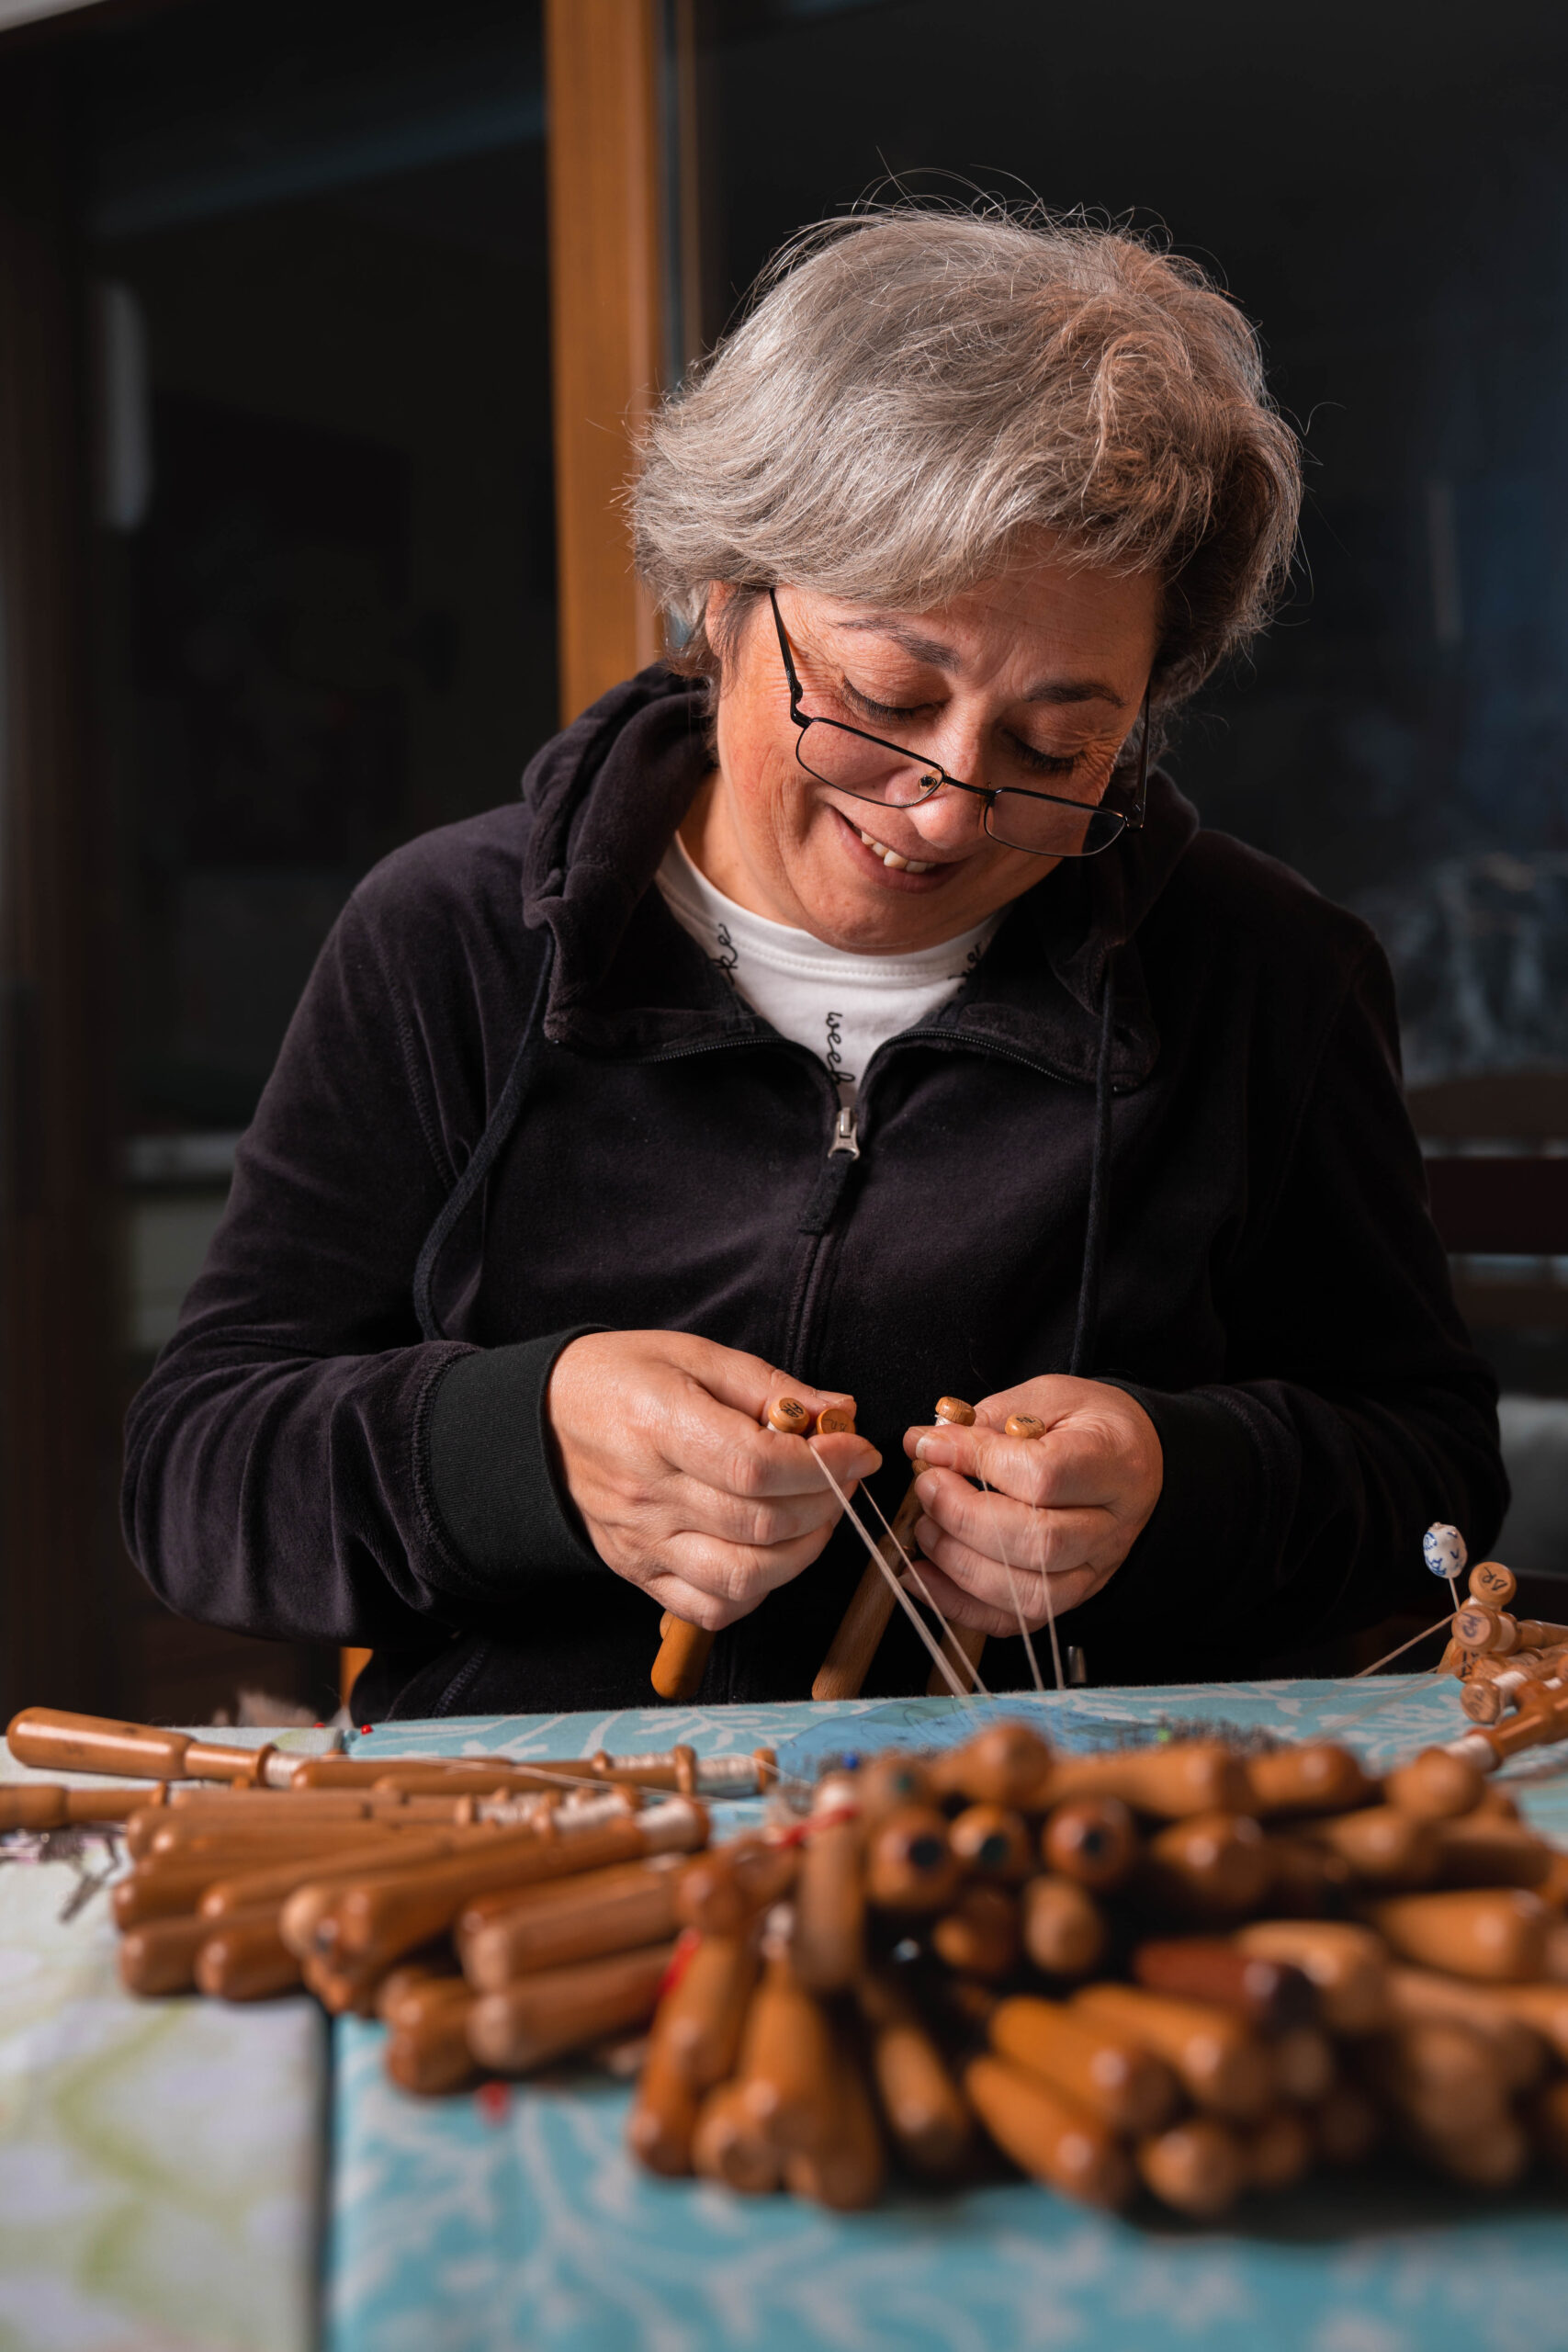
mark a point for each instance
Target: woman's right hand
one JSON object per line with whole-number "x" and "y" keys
{"x": 682, "y": 1490}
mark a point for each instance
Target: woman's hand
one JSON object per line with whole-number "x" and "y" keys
{"x": 682, "y": 1490}
{"x": 1067, "y": 1505}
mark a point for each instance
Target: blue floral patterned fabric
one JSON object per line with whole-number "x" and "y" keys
{"x": 482, "y": 2225}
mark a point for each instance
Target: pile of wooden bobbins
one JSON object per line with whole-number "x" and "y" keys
{"x": 1512, "y": 1668}
{"x": 1168, "y": 1967}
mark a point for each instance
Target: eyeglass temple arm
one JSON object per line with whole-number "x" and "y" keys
{"x": 795, "y": 686}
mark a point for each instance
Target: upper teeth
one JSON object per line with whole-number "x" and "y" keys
{"x": 891, "y": 857}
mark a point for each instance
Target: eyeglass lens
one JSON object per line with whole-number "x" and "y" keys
{"x": 875, "y": 771}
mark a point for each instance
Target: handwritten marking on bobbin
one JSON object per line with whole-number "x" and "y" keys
{"x": 684, "y": 1652}
{"x": 871, "y": 1608}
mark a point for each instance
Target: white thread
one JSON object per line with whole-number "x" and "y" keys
{"x": 1018, "y": 1612}
{"x": 1359, "y": 1714}
{"x": 1362, "y": 1672}
{"x": 947, "y": 1632}
{"x": 905, "y": 1603}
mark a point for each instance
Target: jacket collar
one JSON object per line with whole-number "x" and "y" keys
{"x": 606, "y": 797}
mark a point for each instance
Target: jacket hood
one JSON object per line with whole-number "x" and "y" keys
{"x": 607, "y": 794}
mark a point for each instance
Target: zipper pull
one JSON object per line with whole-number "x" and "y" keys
{"x": 846, "y": 1137}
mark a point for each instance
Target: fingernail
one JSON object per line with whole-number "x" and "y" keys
{"x": 921, "y": 1449}
{"x": 926, "y": 1487}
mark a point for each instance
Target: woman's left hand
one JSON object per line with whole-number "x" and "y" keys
{"x": 1068, "y": 1505}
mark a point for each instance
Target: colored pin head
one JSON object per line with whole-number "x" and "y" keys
{"x": 1443, "y": 1549}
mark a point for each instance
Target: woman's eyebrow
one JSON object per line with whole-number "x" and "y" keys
{"x": 943, "y": 657}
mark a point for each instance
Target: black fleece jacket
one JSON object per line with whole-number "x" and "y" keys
{"x": 308, "y": 1460}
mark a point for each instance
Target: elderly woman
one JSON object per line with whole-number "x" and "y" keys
{"x": 850, "y": 1004}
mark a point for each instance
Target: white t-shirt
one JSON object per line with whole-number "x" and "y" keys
{"x": 841, "y": 1006}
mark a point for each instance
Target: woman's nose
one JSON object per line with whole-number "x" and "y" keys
{"x": 949, "y": 820}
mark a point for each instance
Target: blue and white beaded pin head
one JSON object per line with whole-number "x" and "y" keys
{"x": 1443, "y": 1549}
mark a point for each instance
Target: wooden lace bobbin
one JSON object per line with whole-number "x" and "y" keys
{"x": 1091, "y": 1839}
{"x": 925, "y": 2111}
{"x": 51, "y": 1740}
{"x": 1346, "y": 2125}
{"x": 1210, "y": 1866}
{"x": 1543, "y": 2007}
{"x": 1380, "y": 1845}
{"x": 965, "y": 1646}
{"x": 1347, "y": 1964}
{"x": 427, "y": 2038}
{"x": 829, "y": 1943}
{"x": 1307, "y": 1879}
{"x": 1315, "y": 1777}
{"x": 1492, "y": 1687}
{"x": 1271, "y": 1995}
{"x": 245, "y": 1960}
{"x": 377, "y": 1918}
{"x": 888, "y": 1781}
{"x": 412, "y": 1983}
{"x": 341, "y": 1991}
{"x": 1187, "y": 1777}
{"x": 1487, "y": 1852}
{"x": 1219, "y": 2061}
{"x": 692, "y": 2047}
{"x": 982, "y": 1934}
{"x": 237, "y": 1887}
{"x": 1131, "y": 2088}
{"x": 1492, "y": 2155}
{"x": 1438, "y": 1786}
{"x": 684, "y": 1649}
{"x": 1064, "y": 1931}
{"x": 703, "y": 2012}
{"x": 1517, "y": 2054}
{"x": 1277, "y": 2151}
{"x": 1495, "y": 1934}
{"x": 1540, "y": 1721}
{"x": 557, "y": 2010}
{"x": 1198, "y": 2167}
{"x": 47, "y": 1806}
{"x": 865, "y": 1622}
{"x": 910, "y": 1866}
{"x": 662, "y": 2121}
{"x": 1546, "y": 2118}
{"x": 1492, "y": 1584}
{"x": 846, "y": 2169}
{"x": 160, "y": 1956}
{"x": 200, "y": 1839}
{"x": 1434, "y": 2073}
{"x": 502, "y": 1936}
{"x": 1048, "y": 2135}
{"x": 729, "y": 2145}
{"x": 1006, "y": 1764}
{"x": 993, "y": 1842}
{"x": 788, "y": 2061}
{"x": 723, "y": 1892}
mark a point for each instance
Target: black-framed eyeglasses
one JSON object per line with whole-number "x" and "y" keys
{"x": 897, "y": 775}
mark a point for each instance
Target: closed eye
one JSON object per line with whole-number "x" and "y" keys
{"x": 870, "y": 709}
{"x": 1041, "y": 762}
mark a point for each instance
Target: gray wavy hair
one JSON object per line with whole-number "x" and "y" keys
{"x": 913, "y": 391}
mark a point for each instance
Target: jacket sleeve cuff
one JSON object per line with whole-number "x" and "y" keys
{"x": 491, "y": 1469}
{"x": 1200, "y": 1536}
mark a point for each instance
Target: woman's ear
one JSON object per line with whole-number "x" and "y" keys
{"x": 718, "y": 627}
